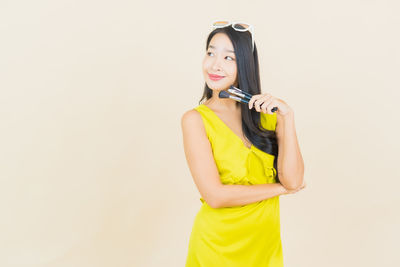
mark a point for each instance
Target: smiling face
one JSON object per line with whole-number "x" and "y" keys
{"x": 220, "y": 60}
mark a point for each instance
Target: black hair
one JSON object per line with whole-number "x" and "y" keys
{"x": 248, "y": 81}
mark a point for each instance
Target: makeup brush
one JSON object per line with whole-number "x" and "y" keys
{"x": 234, "y": 90}
{"x": 225, "y": 94}
{"x": 242, "y": 96}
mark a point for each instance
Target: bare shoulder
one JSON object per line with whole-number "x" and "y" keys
{"x": 191, "y": 117}
{"x": 192, "y": 125}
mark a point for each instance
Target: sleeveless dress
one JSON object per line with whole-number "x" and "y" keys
{"x": 240, "y": 236}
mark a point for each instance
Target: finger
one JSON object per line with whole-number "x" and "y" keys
{"x": 252, "y": 99}
{"x": 262, "y": 105}
{"x": 260, "y": 101}
{"x": 257, "y": 105}
{"x": 271, "y": 105}
{"x": 266, "y": 105}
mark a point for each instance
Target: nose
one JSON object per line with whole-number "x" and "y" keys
{"x": 216, "y": 64}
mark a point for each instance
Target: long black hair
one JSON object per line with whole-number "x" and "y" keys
{"x": 248, "y": 81}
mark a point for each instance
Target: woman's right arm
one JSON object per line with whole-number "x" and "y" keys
{"x": 205, "y": 174}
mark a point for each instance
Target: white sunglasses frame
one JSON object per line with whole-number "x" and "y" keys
{"x": 232, "y": 23}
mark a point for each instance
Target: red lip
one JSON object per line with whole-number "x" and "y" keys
{"x": 215, "y": 77}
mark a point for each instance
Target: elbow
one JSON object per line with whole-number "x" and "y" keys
{"x": 291, "y": 186}
{"x": 214, "y": 203}
{"x": 292, "y": 179}
{"x": 294, "y": 184}
{"x": 215, "y": 198}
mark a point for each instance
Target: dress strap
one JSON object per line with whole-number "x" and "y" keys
{"x": 209, "y": 126}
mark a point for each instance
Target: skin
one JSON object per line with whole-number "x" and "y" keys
{"x": 218, "y": 60}
{"x": 290, "y": 161}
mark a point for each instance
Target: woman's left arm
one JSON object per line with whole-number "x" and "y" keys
{"x": 290, "y": 162}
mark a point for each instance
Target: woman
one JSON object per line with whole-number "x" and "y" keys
{"x": 232, "y": 151}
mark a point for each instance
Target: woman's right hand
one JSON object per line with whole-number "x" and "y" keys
{"x": 290, "y": 191}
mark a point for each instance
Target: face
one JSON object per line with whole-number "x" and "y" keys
{"x": 220, "y": 60}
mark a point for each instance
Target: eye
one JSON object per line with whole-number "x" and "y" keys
{"x": 208, "y": 53}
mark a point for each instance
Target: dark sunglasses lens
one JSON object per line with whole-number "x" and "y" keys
{"x": 241, "y": 26}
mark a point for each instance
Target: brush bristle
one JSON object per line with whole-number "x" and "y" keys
{"x": 223, "y": 94}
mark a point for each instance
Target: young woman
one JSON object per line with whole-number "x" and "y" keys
{"x": 233, "y": 150}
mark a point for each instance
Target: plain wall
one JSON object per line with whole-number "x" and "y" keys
{"x": 92, "y": 167}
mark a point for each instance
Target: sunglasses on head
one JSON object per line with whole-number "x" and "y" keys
{"x": 238, "y": 26}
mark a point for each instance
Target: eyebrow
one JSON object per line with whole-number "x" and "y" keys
{"x": 211, "y": 46}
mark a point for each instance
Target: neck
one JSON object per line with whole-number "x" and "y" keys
{"x": 222, "y": 104}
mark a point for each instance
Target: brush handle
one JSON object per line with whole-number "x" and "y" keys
{"x": 246, "y": 101}
{"x": 243, "y": 92}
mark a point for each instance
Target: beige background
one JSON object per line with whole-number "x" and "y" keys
{"x": 92, "y": 166}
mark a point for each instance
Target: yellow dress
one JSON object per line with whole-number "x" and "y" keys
{"x": 240, "y": 236}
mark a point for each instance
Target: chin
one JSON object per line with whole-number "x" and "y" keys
{"x": 217, "y": 87}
